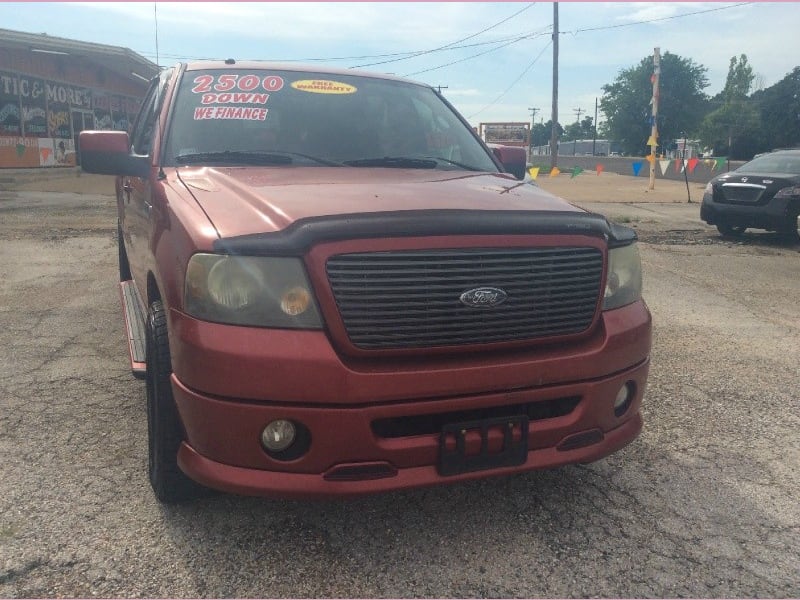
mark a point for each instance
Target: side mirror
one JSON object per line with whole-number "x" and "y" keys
{"x": 107, "y": 153}
{"x": 513, "y": 159}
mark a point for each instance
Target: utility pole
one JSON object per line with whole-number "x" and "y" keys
{"x": 554, "y": 113}
{"x": 653, "y": 141}
{"x": 533, "y": 122}
{"x": 594, "y": 129}
{"x": 577, "y": 112}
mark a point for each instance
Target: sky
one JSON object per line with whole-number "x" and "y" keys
{"x": 493, "y": 61}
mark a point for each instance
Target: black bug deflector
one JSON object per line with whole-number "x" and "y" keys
{"x": 303, "y": 234}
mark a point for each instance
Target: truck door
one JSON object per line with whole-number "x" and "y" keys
{"x": 135, "y": 201}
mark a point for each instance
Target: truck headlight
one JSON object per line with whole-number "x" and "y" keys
{"x": 250, "y": 290}
{"x": 624, "y": 281}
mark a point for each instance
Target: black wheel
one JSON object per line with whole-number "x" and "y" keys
{"x": 124, "y": 266}
{"x": 728, "y": 230}
{"x": 164, "y": 430}
{"x": 789, "y": 230}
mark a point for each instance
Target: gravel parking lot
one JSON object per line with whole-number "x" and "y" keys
{"x": 703, "y": 504}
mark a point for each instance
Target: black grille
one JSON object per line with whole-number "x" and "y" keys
{"x": 397, "y": 427}
{"x": 410, "y": 299}
{"x": 741, "y": 193}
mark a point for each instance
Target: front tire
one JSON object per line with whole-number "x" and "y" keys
{"x": 728, "y": 230}
{"x": 164, "y": 429}
{"x": 790, "y": 230}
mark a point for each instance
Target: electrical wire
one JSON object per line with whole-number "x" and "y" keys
{"x": 446, "y": 46}
{"x": 517, "y": 36}
{"x": 698, "y": 12}
{"x": 455, "y": 45}
{"x": 521, "y": 75}
{"x": 474, "y": 55}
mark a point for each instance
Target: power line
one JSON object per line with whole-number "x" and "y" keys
{"x": 521, "y": 75}
{"x": 698, "y": 12}
{"x": 504, "y": 42}
{"x": 469, "y": 37}
{"x": 517, "y": 36}
{"x": 473, "y": 55}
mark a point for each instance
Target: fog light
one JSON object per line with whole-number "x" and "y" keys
{"x": 278, "y": 435}
{"x": 623, "y": 399}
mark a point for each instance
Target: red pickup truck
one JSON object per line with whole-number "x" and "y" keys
{"x": 333, "y": 287}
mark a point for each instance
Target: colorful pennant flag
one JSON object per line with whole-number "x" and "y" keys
{"x": 664, "y": 166}
{"x": 721, "y": 162}
{"x": 45, "y": 152}
{"x": 709, "y": 162}
{"x": 533, "y": 172}
{"x": 692, "y": 164}
{"x": 599, "y": 168}
{"x": 555, "y": 172}
{"x": 679, "y": 164}
{"x": 651, "y": 141}
{"x": 575, "y": 172}
{"x": 651, "y": 158}
{"x": 20, "y": 150}
{"x": 637, "y": 166}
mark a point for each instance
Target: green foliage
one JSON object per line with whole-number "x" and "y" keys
{"x": 779, "y": 108}
{"x": 734, "y": 129}
{"x": 579, "y": 131}
{"x": 682, "y": 102}
{"x": 540, "y": 134}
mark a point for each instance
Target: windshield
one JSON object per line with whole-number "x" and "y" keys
{"x": 280, "y": 118}
{"x": 773, "y": 163}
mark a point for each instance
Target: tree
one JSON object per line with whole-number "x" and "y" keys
{"x": 779, "y": 108}
{"x": 682, "y": 102}
{"x": 579, "y": 131}
{"x": 739, "y": 81}
{"x": 733, "y": 128}
{"x": 540, "y": 134}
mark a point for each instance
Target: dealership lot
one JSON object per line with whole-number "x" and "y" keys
{"x": 703, "y": 504}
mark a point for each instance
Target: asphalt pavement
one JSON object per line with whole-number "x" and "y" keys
{"x": 703, "y": 504}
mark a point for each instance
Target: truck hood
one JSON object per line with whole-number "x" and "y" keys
{"x": 246, "y": 200}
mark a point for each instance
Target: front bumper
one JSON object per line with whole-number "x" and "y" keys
{"x": 301, "y": 379}
{"x": 770, "y": 216}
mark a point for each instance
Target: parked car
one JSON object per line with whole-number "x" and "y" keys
{"x": 763, "y": 194}
{"x": 332, "y": 288}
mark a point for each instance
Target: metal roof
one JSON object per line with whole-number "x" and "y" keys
{"x": 122, "y": 61}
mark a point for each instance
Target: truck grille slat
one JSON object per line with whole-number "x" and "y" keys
{"x": 410, "y": 299}
{"x": 413, "y": 316}
{"x": 446, "y": 288}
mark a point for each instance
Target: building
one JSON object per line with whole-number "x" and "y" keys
{"x": 52, "y": 88}
{"x": 579, "y": 148}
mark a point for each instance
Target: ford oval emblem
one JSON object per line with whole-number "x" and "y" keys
{"x": 483, "y": 297}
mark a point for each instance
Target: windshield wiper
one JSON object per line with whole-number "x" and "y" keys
{"x": 454, "y": 163}
{"x": 322, "y": 161}
{"x": 252, "y": 157}
{"x": 408, "y": 162}
{"x": 234, "y": 156}
{"x": 397, "y": 162}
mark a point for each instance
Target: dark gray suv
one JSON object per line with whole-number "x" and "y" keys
{"x": 763, "y": 194}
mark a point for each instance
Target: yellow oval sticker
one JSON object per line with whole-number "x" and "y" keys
{"x": 323, "y": 86}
